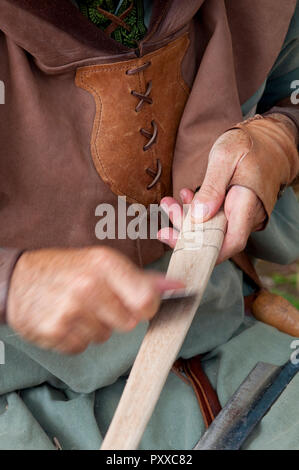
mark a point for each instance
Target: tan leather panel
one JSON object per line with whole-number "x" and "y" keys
{"x": 117, "y": 144}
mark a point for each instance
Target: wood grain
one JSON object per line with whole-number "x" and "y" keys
{"x": 192, "y": 261}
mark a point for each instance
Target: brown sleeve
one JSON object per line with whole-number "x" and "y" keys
{"x": 8, "y": 260}
{"x": 272, "y": 162}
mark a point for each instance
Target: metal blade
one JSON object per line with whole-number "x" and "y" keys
{"x": 247, "y": 407}
{"x": 178, "y": 294}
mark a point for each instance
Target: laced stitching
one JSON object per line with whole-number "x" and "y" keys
{"x": 152, "y": 137}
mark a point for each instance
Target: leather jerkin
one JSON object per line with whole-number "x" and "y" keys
{"x": 137, "y": 101}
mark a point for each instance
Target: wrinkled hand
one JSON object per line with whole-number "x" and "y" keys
{"x": 67, "y": 299}
{"x": 243, "y": 209}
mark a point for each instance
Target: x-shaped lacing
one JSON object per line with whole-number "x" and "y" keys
{"x": 152, "y": 137}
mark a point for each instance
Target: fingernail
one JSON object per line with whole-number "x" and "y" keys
{"x": 165, "y": 235}
{"x": 164, "y": 208}
{"x": 199, "y": 211}
{"x": 183, "y": 194}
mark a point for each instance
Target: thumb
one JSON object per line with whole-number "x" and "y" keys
{"x": 222, "y": 164}
{"x": 208, "y": 201}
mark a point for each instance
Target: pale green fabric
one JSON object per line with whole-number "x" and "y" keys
{"x": 44, "y": 395}
{"x": 32, "y": 417}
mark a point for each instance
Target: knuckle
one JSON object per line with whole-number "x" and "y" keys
{"x": 109, "y": 260}
{"x": 102, "y": 255}
{"x": 75, "y": 300}
{"x": 78, "y": 349}
{"x": 83, "y": 285}
{"x": 72, "y": 349}
{"x": 97, "y": 257}
{"x": 132, "y": 324}
{"x": 147, "y": 303}
{"x": 68, "y": 318}
{"x": 121, "y": 320}
{"x": 129, "y": 324}
{"x": 65, "y": 320}
{"x": 54, "y": 332}
{"x": 103, "y": 336}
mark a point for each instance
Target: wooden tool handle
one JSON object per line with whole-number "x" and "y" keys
{"x": 192, "y": 261}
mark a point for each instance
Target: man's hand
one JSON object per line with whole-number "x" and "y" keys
{"x": 243, "y": 209}
{"x": 67, "y": 299}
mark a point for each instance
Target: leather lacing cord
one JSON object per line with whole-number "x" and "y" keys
{"x": 116, "y": 21}
{"x": 152, "y": 137}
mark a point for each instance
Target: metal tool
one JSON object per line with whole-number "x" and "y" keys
{"x": 178, "y": 294}
{"x": 248, "y": 405}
